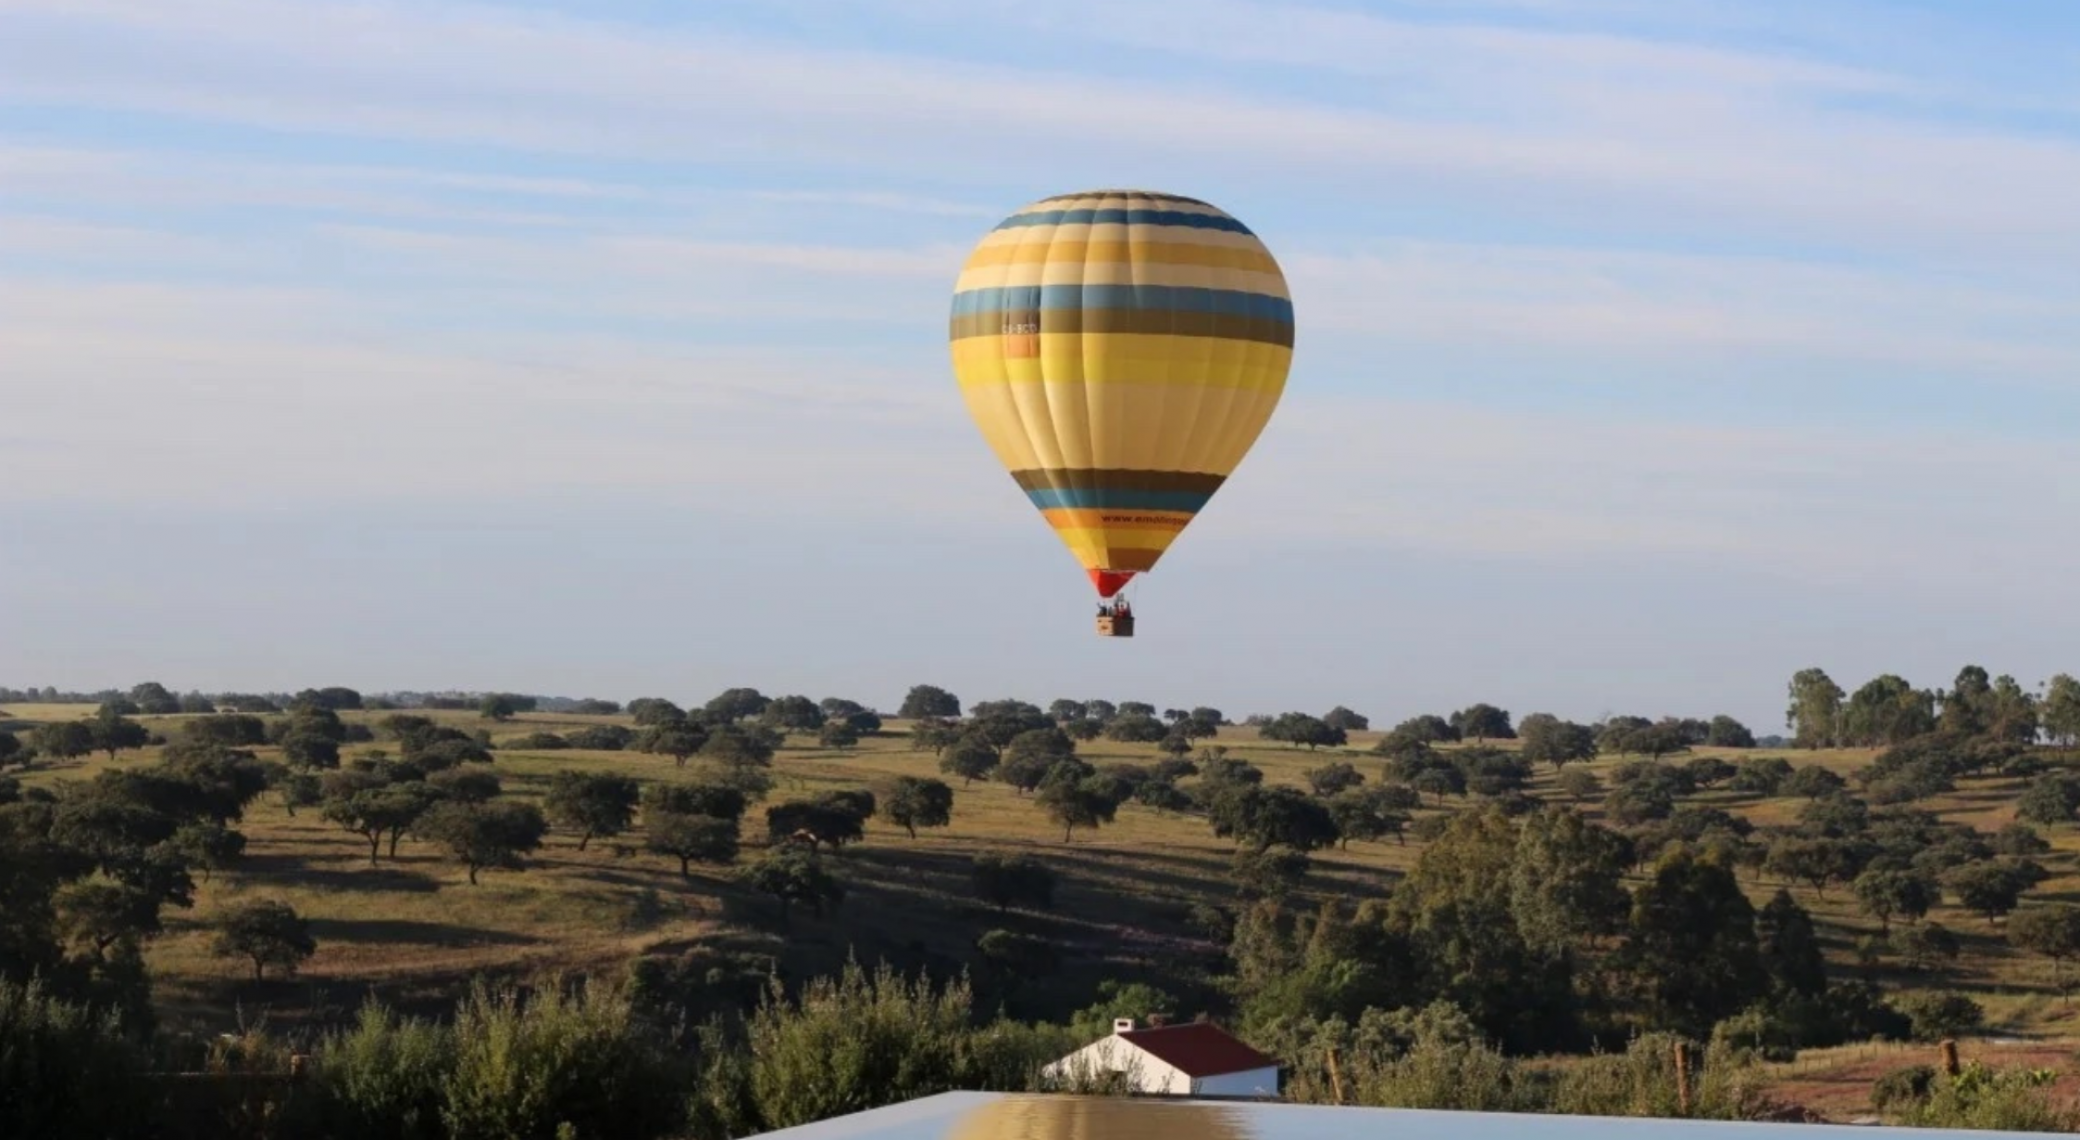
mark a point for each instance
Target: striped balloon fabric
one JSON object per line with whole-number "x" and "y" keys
{"x": 1121, "y": 350}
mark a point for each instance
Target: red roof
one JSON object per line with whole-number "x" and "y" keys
{"x": 1198, "y": 1048}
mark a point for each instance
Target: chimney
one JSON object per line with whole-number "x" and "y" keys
{"x": 1123, "y": 1025}
{"x": 1158, "y": 1020}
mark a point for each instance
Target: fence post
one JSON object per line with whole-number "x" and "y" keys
{"x": 1948, "y": 1049}
{"x": 1682, "y": 1052}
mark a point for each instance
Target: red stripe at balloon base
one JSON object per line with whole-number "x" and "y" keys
{"x": 1109, "y": 582}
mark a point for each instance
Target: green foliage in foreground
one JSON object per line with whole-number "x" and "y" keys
{"x": 561, "y": 1060}
{"x": 859, "y": 1041}
{"x": 592, "y": 1060}
{"x": 64, "y": 1071}
{"x": 2009, "y": 1100}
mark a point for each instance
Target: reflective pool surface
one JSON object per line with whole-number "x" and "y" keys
{"x": 1000, "y": 1116}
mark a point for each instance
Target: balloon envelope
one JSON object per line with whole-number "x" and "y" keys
{"x": 1121, "y": 350}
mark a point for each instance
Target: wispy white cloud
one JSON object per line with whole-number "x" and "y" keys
{"x": 1613, "y": 307}
{"x": 1818, "y": 505}
{"x": 242, "y": 399}
{"x": 698, "y": 266}
{"x": 1602, "y": 303}
{"x": 1704, "y": 134}
{"x": 912, "y": 203}
{"x": 1674, "y": 319}
{"x": 613, "y": 254}
{"x": 1550, "y": 107}
{"x": 1406, "y": 50}
{"x": 120, "y": 247}
{"x": 169, "y": 180}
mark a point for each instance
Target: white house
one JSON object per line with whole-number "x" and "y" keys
{"x": 1193, "y": 1059}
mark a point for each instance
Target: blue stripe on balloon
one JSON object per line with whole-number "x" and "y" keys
{"x": 1118, "y": 216}
{"x": 1118, "y": 499}
{"x": 1165, "y": 298}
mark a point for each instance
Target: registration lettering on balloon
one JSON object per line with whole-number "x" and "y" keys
{"x": 1021, "y": 337}
{"x": 1171, "y": 522}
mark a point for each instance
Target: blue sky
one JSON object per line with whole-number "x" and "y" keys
{"x": 1648, "y": 351}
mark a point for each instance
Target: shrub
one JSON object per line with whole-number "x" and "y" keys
{"x": 680, "y": 993}
{"x": 65, "y": 1072}
{"x": 1901, "y": 1088}
{"x": 601, "y": 738}
{"x": 241, "y": 1098}
{"x": 525, "y": 1068}
{"x": 1642, "y": 1082}
{"x": 1756, "y": 1032}
{"x": 385, "y": 1078}
{"x": 1459, "y": 1075}
{"x": 2010, "y": 1100}
{"x": 861, "y": 1041}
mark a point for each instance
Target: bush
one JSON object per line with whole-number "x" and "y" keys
{"x": 860, "y": 1041}
{"x": 1902, "y": 1087}
{"x": 583, "y": 1059}
{"x": 1211, "y": 922}
{"x": 1459, "y": 1075}
{"x": 2009, "y": 1100}
{"x": 537, "y": 742}
{"x": 1756, "y": 1033}
{"x": 1642, "y": 1082}
{"x": 243, "y": 1096}
{"x": 385, "y": 1078}
{"x": 681, "y": 993}
{"x": 601, "y": 738}
{"x": 1008, "y": 1055}
{"x": 65, "y": 1071}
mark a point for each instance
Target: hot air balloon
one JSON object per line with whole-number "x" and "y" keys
{"x": 1121, "y": 351}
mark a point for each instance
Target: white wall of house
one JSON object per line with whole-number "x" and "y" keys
{"x": 1250, "y": 1082}
{"x": 1153, "y": 1075}
{"x": 1149, "y": 1073}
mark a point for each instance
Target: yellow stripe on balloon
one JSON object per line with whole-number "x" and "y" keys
{"x": 1102, "y": 549}
{"x": 1120, "y": 273}
{"x": 1043, "y": 236}
{"x": 1078, "y": 426}
{"x": 1101, "y": 251}
{"x": 1126, "y": 358}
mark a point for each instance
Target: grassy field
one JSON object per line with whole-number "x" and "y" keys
{"x": 413, "y": 929}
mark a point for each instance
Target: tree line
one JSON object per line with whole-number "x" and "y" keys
{"x": 1888, "y": 710}
{"x": 1525, "y": 926}
{"x": 155, "y": 699}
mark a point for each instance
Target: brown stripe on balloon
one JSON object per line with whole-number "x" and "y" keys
{"x": 1116, "y": 479}
{"x": 1170, "y": 322}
